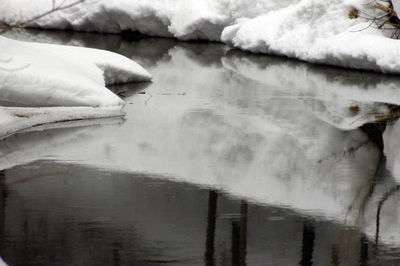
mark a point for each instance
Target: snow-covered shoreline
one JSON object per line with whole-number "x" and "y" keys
{"x": 63, "y": 83}
{"x": 315, "y": 31}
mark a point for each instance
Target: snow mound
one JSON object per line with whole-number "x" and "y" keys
{"x": 46, "y": 75}
{"x": 183, "y": 19}
{"x": 319, "y": 31}
{"x": 59, "y": 83}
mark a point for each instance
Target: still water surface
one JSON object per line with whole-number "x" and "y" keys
{"x": 226, "y": 158}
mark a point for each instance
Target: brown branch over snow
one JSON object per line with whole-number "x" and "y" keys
{"x": 54, "y": 9}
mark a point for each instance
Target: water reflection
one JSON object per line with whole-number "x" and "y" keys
{"x": 74, "y": 215}
{"x": 209, "y": 259}
{"x": 266, "y": 130}
{"x": 307, "y": 247}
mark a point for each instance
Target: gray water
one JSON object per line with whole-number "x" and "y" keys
{"x": 208, "y": 167}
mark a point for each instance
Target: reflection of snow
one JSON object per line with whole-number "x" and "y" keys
{"x": 222, "y": 125}
{"x": 231, "y": 134}
{"x": 345, "y": 99}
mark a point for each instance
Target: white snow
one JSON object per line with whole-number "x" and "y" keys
{"x": 396, "y": 6}
{"x": 316, "y": 31}
{"x": 41, "y": 75}
{"x": 319, "y": 31}
{"x": 183, "y": 19}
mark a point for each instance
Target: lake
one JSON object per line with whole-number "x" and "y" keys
{"x": 225, "y": 158}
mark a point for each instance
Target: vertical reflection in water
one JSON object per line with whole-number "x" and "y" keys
{"x": 363, "y": 251}
{"x": 211, "y": 221}
{"x": 239, "y": 237}
{"x": 334, "y": 256}
{"x": 378, "y": 212}
{"x": 116, "y": 255}
{"x": 3, "y": 198}
{"x": 375, "y": 133}
{"x": 243, "y": 232}
{"x": 235, "y": 243}
{"x": 308, "y": 244}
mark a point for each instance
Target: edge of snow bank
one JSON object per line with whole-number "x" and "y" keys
{"x": 318, "y": 31}
{"x": 18, "y": 119}
{"x": 56, "y": 75}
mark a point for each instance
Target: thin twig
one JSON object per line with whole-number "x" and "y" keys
{"x": 54, "y": 9}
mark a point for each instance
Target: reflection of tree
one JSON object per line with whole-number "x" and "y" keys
{"x": 363, "y": 261}
{"x": 307, "y": 247}
{"x": 239, "y": 237}
{"x": 239, "y": 233}
{"x": 209, "y": 259}
{"x": 375, "y": 135}
{"x": 54, "y": 8}
{"x": 378, "y": 211}
{"x": 3, "y": 197}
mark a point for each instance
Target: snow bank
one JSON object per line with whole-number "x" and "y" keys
{"x": 40, "y": 75}
{"x": 319, "y": 31}
{"x": 43, "y": 74}
{"x": 183, "y": 19}
{"x": 316, "y": 31}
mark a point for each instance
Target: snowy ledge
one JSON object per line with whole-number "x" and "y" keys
{"x": 316, "y": 31}
{"x": 72, "y": 80}
{"x": 320, "y": 31}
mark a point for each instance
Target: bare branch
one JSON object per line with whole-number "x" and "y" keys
{"x": 53, "y": 10}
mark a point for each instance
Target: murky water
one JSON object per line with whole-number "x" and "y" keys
{"x": 226, "y": 158}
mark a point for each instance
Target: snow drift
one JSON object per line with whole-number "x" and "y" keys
{"x": 316, "y": 31}
{"x": 183, "y": 19}
{"x": 44, "y": 75}
{"x": 319, "y": 31}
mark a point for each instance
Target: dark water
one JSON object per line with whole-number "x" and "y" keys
{"x": 210, "y": 166}
{"x": 54, "y": 213}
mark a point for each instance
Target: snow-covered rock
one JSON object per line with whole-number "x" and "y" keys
{"x": 319, "y": 31}
{"x": 183, "y": 19}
